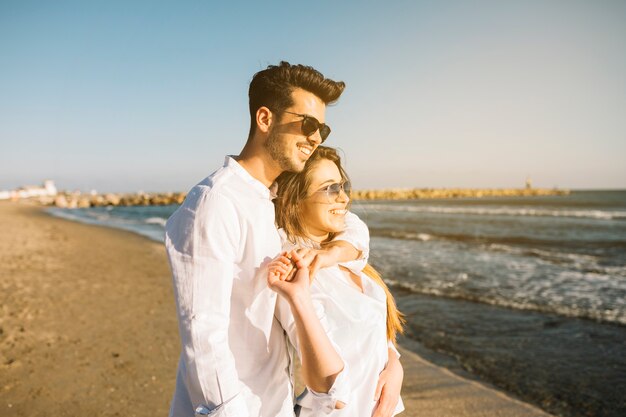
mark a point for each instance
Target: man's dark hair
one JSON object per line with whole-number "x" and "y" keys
{"x": 272, "y": 88}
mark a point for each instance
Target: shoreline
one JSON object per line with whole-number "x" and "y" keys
{"x": 66, "y": 346}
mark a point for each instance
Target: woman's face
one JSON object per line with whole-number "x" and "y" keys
{"x": 322, "y": 213}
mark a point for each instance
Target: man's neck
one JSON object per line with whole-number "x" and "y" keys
{"x": 258, "y": 166}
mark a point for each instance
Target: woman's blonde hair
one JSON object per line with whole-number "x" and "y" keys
{"x": 292, "y": 190}
{"x": 395, "y": 318}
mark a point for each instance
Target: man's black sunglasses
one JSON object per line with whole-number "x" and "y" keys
{"x": 310, "y": 124}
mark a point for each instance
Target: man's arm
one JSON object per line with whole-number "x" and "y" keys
{"x": 349, "y": 248}
{"x": 201, "y": 242}
{"x": 387, "y": 395}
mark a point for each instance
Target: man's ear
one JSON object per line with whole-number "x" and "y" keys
{"x": 264, "y": 119}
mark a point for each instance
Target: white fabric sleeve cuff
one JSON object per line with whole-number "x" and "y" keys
{"x": 399, "y": 407}
{"x": 235, "y": 407}
{"x": 356, "y": 266}
{"x": 356, "y": 232}
{"x": 391, "y": 346}
{"x": 358, "y": 235}
{"x": 325, "y": 402}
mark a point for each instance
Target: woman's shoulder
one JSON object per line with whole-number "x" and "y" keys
{"x": 283, "y": 238}
{"x": 289, "y": 243}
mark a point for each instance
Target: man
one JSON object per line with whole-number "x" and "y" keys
{"x": 234, "y": 359}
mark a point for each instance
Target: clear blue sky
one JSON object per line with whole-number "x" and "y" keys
{"x": 150, "y": 95}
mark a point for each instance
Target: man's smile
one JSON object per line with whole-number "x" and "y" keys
{"x": 305, "y": 149}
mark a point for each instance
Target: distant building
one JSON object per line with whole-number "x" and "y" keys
{"x": 529, "y": 183}
{"x": 48, "y": 189}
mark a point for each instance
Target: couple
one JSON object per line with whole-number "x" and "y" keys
{"x": 249, "y": 296}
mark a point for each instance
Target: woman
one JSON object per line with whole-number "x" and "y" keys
{"x": 354, "y": 306}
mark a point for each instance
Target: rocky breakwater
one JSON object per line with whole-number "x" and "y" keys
{"x": 418, "y": 193}
{"x": 79, "y": 200}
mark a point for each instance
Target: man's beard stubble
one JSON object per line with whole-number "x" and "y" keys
{"x": 279, "y": 151}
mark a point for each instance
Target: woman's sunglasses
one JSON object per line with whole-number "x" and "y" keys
{"x": 310, "y": 124}
{"x": 333, "y": 190}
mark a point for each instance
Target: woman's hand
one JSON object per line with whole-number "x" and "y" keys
{"x": 388, "y": 389}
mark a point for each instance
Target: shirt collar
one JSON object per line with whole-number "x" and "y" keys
{"x": 299, "y": 241}
{"x": 258, "y": 186}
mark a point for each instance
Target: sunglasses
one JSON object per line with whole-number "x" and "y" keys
{"x": 310, "y": 125}
{"x": 333, "y": 190}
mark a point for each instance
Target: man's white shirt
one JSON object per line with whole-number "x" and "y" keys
{"x": 234, "y": 359}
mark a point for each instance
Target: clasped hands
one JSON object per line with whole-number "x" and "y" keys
{"x": 284, "y": 268}
{"x": 290, "y": 273}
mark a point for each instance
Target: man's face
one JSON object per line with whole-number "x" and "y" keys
{"x": 286, "y": 143}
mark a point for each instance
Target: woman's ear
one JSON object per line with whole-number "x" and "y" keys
{"x": 264, "y": 119}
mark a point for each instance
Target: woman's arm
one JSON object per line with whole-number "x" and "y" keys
{"x": 321, "y": 364}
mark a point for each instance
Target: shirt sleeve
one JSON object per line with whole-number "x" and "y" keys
{"x": 400, "y": 406}
{"x": 391, "y": 346}
{"x": 340, "y": 390}
{"x": 358, "y": 235}
{"x": 202, "y": 240}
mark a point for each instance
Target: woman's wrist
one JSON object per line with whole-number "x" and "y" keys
{"x": 299, "y": 300}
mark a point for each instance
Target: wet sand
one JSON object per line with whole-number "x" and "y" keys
{"x": 88, "y": 326}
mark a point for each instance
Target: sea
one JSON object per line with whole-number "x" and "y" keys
{"x": 526, "y": 294}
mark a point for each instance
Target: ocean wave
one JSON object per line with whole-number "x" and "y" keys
{"x": 498, "y": 211}
{"x": 614, "y": 315}
{"x": 579, "y": 262}
{"x": 400, "y": 234}
{"x": 97, "y": 217}
{"x": 156, "y": 220}
{"x": 81, "y": 215}
{"x": 491, "y": 240}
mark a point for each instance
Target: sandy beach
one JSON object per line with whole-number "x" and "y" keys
{"x": 87, "y": 326}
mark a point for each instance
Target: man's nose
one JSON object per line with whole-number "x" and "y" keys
{"x": 315, "y": 138}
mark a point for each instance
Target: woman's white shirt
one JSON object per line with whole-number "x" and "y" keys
{"x": 355, "y": 322}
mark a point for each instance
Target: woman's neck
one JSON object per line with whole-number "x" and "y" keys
{"x": 319, "y": 237}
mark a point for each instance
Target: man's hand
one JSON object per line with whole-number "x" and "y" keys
{"x": 281, "y": 267}
{"x": 388, "y": 389}
{"x": 288, "y": 275}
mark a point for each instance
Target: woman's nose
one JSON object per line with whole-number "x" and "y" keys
{"x": 343, "y": 197}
